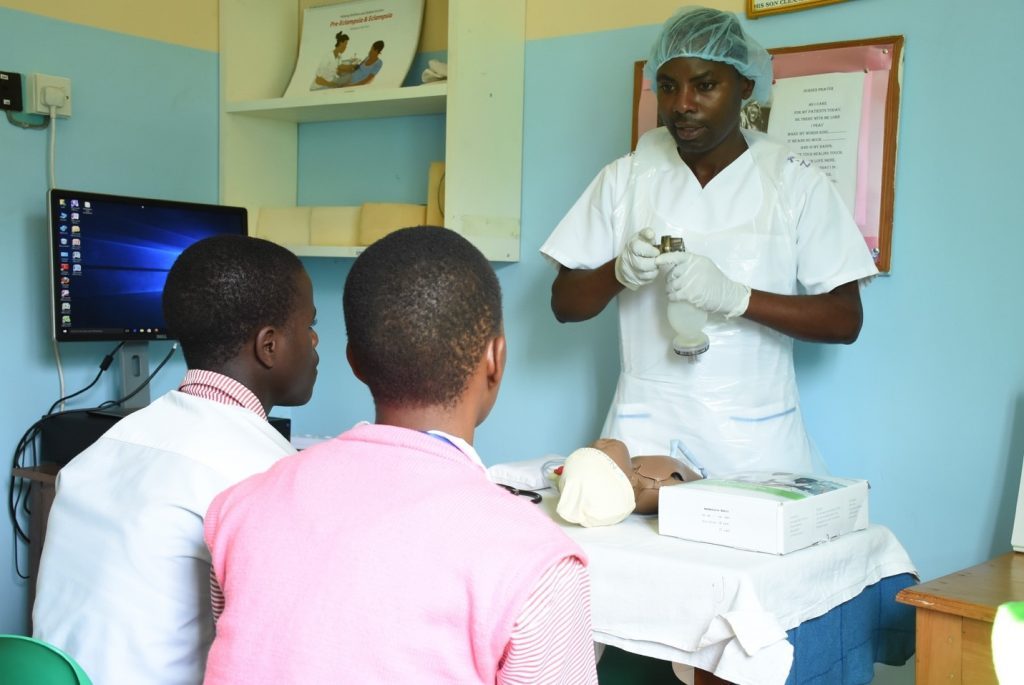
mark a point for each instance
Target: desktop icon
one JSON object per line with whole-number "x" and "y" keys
{"x": 64, "y": 267}
{"x": 76, "y": 255}
{"x": 76, "y": 268}
{"x": 65, "y": 294}
{"x": 65, "y": 306}
{"x": 64, "y": 241}
{"x": 74, "y": 203}
{"x": 61, "y": 202}
{"x": 76, "y": 229}
{"x": 64, "y": 254}
{"x": 63, "y": 228}
{"x": 63, "y": 215}
{"x": 65, "y": 320}
{"x": 87, "y": 205}
{"x": 74, "y": 216}
{"x": 75, "y": 242}
{"x": 64, "y": 280}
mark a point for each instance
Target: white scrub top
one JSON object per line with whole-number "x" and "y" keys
{"x": 124, "y": 580}
{"x": 769, "y": 220}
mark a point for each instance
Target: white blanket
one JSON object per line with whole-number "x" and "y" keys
{"x": 723, "y": 610}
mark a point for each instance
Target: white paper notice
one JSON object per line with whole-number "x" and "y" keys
{"x": 819, "y": 117}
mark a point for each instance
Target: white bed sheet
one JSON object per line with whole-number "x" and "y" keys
{"x": 721, "y": 609}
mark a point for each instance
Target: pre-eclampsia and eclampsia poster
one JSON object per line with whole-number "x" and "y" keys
{"x": 356, "y": 44}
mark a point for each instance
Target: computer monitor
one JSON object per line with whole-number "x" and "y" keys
{"x": 111, "y": 255}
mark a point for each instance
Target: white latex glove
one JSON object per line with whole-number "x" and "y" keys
{"x": 697, "y": 280}
{"x": 635, "y": 266}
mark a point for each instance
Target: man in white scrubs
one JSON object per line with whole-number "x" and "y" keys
{"x": 123, "y": 583}
{"x": 772, "y": 254}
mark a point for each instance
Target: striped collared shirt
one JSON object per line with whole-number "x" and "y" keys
{"x": 217, "y": 387}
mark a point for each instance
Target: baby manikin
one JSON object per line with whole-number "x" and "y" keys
{"x": 601, "y": 485}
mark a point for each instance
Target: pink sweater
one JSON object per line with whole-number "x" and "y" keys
{"x": 382, "y": 556}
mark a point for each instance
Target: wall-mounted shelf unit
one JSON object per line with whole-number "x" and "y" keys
{"x": 483, "y": 94}
{"x": 350, "y": 103}
{"x": 325, "y": 250}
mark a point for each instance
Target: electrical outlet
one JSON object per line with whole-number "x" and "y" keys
{"x": 45, "y": 90}
{"x": 10, "y": 91}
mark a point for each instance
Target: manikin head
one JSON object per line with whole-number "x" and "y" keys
{"x": 601, "y": 485}
{"x": 243, "y": 307}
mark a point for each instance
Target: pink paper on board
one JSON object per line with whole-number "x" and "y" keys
{"x": 876, "y": 60}
{"x": 857, "y": 58}
{"x": 647, "y": 109}
{"x": 863, "y": 156}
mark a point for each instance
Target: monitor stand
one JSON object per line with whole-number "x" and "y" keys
{"x": 133, "y": 360}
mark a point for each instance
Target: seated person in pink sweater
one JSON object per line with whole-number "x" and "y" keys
{"x": 385, "y": 555}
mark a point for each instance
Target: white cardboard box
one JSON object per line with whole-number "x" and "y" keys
{"x": 764, "y": 512}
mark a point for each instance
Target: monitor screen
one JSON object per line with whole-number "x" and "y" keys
{"x": 111, "y": 255}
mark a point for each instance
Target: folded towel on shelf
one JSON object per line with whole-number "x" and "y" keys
{"x": 436, "y": 71}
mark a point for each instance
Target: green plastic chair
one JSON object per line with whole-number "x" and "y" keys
{"x": 1007, "y": 640}
{"x": 34, "y": 662}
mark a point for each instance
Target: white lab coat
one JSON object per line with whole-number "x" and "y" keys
{"x": 769, "y": 220}
{"x": 123, "y": 584}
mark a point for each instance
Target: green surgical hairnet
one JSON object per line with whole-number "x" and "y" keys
{"x": 715, "y": 36}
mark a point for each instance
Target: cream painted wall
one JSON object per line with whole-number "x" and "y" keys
{"x": 191, "y": 23}
{"x": 548, "y": 19}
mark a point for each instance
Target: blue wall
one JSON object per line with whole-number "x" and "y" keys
{"x": 928, "y": 404}
{"x": 144, "y": 123}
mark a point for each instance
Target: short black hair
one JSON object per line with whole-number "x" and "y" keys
{"x": 378, "y": 45}
{"x": 340, "y": 36}
{"x": 420, "y": 304}
{"x": 221, "y": 290}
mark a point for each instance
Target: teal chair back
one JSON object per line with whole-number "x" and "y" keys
{"x": 28, "y": 661}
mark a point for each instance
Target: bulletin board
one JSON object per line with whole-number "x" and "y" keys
{"x": 880, "y": 60}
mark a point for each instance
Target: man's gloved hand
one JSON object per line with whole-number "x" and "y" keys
{"x": 636, "y": 266}
{"x": 696, "y": 279}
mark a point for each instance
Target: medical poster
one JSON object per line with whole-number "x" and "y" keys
{"x": 356, "y": 44}
{"x": 819, "y": 117}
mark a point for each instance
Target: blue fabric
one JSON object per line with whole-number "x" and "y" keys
{"x": 842, "y": 647}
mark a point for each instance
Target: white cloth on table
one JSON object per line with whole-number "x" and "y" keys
{"x": 525, "y": 475}
{"x": 721, "y": 609}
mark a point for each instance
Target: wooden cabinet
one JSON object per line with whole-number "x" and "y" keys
{"x": 954, "y": 620}
{"x": 482, "y": 101}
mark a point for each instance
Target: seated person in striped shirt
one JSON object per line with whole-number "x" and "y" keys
{"x": 385, "y": 555}
{"x": 124, "y": 580}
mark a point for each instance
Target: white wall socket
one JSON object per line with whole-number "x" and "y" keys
{"x": 43, "y": 89}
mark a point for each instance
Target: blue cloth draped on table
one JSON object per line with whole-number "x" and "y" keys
{"x": 842, "y": 646}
